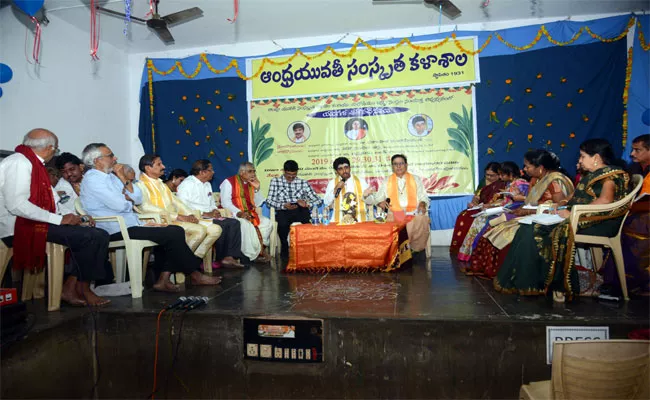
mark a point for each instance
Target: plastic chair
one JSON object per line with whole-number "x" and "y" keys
{"x": 613, "y": 243}
{"x": 274, "y": 241}
{"x": 134, "y": 248}
{"x": 595, "y": 369}
{"x": 34, "y": 284}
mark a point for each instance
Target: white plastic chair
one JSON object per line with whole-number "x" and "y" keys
{"x": 613, "y": 243}
{"x": 274, "y": 241}
{"x": 136, "y": 263}
{"x": 34, "y": 284}
{"x": 595, "y": 369}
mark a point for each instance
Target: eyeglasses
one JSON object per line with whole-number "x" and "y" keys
{"x": 398, "y": 164}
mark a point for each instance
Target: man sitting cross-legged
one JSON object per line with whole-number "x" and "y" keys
{"x": 104, "y": 193}
{"x": 196, "y": 192}
{"x": 28, "y": 220}
{"x": 158, "y": 199}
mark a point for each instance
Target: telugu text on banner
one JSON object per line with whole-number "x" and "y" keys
{"x": 361, "y": 69}
{"x": 433, "y": 127}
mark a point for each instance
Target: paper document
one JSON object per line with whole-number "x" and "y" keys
{"x": 490, "y": 211}
{"x": 542, "y": 219}
{"x": 529, "y": 207}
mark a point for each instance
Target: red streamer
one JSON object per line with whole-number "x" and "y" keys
{"x": 150, "y": 9}
{"x": 37, "y": 40}
{"x": 94, "y": 31}
{"x": 236, "y": 5}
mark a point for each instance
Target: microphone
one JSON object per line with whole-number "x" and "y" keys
{"x": 177, "y": 303}
{"x": 201, "y": 301}
{"x": 338, "y": 191}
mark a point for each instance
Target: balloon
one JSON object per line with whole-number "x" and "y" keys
{"x": 0, "y": 92}
{"x": 645, "y": 117}
{"x": 30, "y": 7}
{"x": 5, "y": 73}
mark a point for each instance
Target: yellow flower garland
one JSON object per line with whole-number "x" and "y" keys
{"x": 626, "y": 90}
{"x": 645, "y": 46}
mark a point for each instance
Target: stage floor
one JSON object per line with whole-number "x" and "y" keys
{"x": 428, "y": 291}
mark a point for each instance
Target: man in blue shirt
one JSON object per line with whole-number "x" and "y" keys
{"x": 106, "y": 191}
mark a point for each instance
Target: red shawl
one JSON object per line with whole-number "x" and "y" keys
{"x": 243, "y": 197}
{"x": 30, "y": 236}
{"x": 488, "y": 192}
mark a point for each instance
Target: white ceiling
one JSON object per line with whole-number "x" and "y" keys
{"x": 261, "y": 20}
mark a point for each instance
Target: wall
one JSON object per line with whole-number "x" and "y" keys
{"x": 80, "y": 100}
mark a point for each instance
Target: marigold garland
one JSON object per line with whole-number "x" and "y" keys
{"x": 555, "y": 42}
{"x": 150, "y": 79}
{"x": 626, "y": 90}
{"x": 645, "y": 46}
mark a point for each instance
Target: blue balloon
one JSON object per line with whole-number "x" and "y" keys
{"x": 0, "y": 92}
{"x": 5, "y": 73}
{"x": 30, "y": 7}
{"x": 645, "y": 117}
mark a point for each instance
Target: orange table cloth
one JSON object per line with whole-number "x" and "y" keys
{"x": 361, "y": 247}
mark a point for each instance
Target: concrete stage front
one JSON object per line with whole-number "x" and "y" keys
{"x": 426, "y": 332}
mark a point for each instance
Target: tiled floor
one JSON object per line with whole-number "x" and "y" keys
{"x": 428, "y": 291}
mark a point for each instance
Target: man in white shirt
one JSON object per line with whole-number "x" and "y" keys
{"x": 71, "y": 169}
{"x": 196, "y": 192}
{"x": 240, "y": 194}
{"x": 299, "y": 133}
{"x": 28, "y": 220}
{"x": 408, "y": 201}
{"x": 344, "y": 183}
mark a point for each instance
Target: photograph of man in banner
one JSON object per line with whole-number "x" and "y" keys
{"x": 356, "y": 128}
{"x": 420, "y": 125}
{"x": 298, "y": 132}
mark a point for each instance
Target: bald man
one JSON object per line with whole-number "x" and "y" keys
{"x": 29, "y": 219}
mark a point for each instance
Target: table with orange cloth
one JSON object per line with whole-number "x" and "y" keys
{"x": 361, "y": 247}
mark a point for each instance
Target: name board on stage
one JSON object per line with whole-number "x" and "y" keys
{"x": 572, "y": 333}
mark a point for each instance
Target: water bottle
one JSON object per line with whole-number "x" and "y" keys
{"x": 314, "y": 216}
{"x": 326, "y": 216}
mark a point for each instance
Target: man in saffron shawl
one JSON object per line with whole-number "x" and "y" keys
{"x": 241, "y": 195}
{"x": 409, "y": 201}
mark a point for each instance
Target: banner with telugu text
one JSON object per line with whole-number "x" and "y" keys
{"x": 361, "y": 69}
{"x": 434, "y": 128}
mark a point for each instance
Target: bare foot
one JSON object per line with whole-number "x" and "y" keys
{"x": 69, "y": 293}
{"x": 230, "y": 262}
{"x": 198, "y": 279}
{"x": 166, "y": 286}
{"x": 91, "y": 298}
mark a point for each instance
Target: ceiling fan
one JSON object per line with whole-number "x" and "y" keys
{"x": 448, "y": 8}
{"x": 160, "y": 24}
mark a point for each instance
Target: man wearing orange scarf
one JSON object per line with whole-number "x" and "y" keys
{"x": 408, "y": 201}
{"x": 241, "y": 195}
{"x": 29, "y": 219}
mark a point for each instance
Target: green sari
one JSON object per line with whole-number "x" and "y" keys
{"x": 542, "y": 258}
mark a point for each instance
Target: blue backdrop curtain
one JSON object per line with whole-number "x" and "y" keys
{"x": 553, "y": 98}
{"x": 586, "y": 63}
{"x": 638, "y": 108}
{"x": 198, "y": 119}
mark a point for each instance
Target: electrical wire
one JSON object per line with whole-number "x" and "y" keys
{"x": 155, "y": 359}
{"x": 178, "y": 345}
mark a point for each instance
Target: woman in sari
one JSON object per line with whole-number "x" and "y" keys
{"x": 542, "y": 258}
{"x": 484, "y": 194}
{"x": 548, "y": 184}
{"x": 513, "y": 197}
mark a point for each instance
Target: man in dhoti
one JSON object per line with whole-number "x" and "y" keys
{"x": 408, "y": 201}
{"x": 344, "y": 194}
{"x": 157, "y": 198}
{"x": 241, "y": 195}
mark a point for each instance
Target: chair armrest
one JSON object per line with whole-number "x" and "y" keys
{"x": 120, "y": 220}
{"x": 147, "y": 216}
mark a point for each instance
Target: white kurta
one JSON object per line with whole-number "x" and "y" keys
{"x": 250, "y": 243}
{"x": 381, "y": 194}
{"x": 196, "y": 194}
